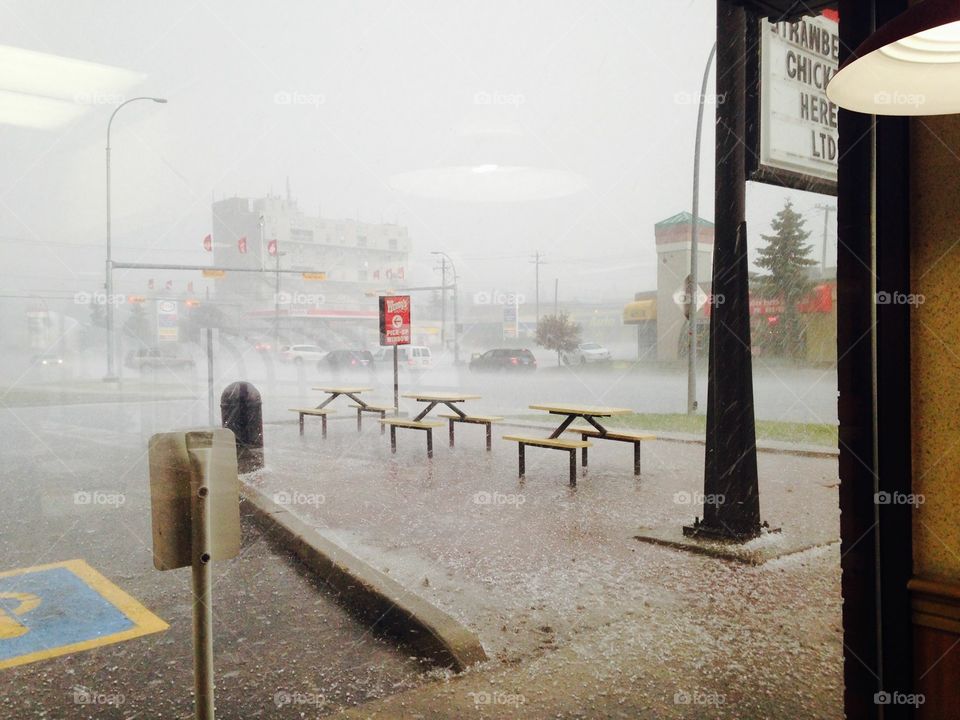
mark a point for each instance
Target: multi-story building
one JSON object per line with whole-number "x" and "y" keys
{"x": 355, "y": 258}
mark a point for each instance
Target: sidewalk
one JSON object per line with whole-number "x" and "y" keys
{"x": 581, "y": 619}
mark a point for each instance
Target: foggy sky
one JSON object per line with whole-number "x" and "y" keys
{"x": 605, "y": 89}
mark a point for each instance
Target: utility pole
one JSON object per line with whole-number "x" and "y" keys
{"x": 556, "y": 294}
{"x": 827, "y": 209}
{"x": 537, "y": 262}
{"x": 276, "y": 305}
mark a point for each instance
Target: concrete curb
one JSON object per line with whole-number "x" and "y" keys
{"x": 367, "y": 592}
{"x": 768, "y": 446}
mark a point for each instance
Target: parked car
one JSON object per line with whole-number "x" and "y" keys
{"x": 585, "y": 353}
{"x": 298, "y": 354}
{"x": 339, "y": 361}
{"x": 503, "y": 360}
{"x": 157, "y": 357}
{"x": 412, "y": 357}
{"x": 48, "y": 359}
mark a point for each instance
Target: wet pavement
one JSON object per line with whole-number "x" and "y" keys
{"x": 544, "y": 572}
{"x": 284, "y": 648}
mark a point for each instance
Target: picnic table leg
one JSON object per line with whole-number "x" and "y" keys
{"x": 636, "y": 458}
{"x": 393, "y": 438}
{"x": 573, "y": 468}
{"x": 451, "y": 432}
{"x": 429, "y": 443}
{"x": 301, "y": 424}
{"x": 323, "y": 426}
{"x": 359, "y": 419}
{"x": 489, "y": 436}
{"x": 523, "y": 465}
{"x": 383, "y": 416}
{"x": 426, "y": 411}
{"x": 584, "y": 437}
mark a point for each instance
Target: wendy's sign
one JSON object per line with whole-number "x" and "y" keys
{"x": 394, "y": 319}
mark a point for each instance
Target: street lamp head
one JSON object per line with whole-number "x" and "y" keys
{"x": 159, "y": 100}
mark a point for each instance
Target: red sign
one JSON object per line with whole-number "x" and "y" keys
{"x": 394, "y": 319}
{"x": 272, "y": 247}
{"x": 242, "y": 245}
{"x": 207, "y": 243}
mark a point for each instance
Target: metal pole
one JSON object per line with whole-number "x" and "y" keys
{"x": 456, "y": 333}
{"x": 108, "y": 285}
{"x": 111, "y": 340}
{"x": 694, "y": 249}
{"x": 396, "y": 384}
{"x": 537, "y": 261}
{"x": 210, "y": 404}
{"x": 556, "y": 292}
{"x": 730, "y": 457}
{"x": 202, "y": 604}
{"x": 443, "y": 303}
{"x": 276, "y": 306}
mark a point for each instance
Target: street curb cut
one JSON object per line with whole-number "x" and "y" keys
{"x": 368, "y": 592}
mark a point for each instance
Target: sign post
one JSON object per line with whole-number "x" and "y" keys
{"x": 195, "y": 509}
{"x": 395, "y": 330}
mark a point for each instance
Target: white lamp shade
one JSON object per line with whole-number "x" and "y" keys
{"x": 909, "y": 66}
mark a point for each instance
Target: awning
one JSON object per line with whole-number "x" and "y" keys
{"x": 639, "y": 311}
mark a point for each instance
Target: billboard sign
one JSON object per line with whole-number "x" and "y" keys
{"x": 167, "y": 321}
{"x": 394, "y": 319}
{"x": 796, "y": 139}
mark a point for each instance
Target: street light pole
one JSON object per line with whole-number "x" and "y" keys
{"x": 443, "y": 304}
{"x": 694, "y": 289}
{"x": 456, "y": 334}
{"x": 111, "y": 349}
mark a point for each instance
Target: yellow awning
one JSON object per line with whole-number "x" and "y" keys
{"x": 639, "y": 311}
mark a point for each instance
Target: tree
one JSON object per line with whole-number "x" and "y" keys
{"x": 137, "y": 326}
{"x": 785, "y": 258}
{"x": 558, "y": 332}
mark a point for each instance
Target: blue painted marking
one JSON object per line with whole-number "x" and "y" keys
{"x": 69, "y": 612}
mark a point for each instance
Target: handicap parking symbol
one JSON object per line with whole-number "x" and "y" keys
{"x": 65, "y": 607}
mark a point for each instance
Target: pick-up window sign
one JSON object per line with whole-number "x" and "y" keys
{"x": 394, "y": 320}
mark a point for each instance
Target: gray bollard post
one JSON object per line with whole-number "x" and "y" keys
{"x": 241, "y": 411}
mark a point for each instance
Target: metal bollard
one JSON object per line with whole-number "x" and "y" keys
{"x": 241, "y": 411}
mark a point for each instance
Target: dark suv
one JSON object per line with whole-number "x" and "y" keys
{"x": 504, "y": 359}
{"x": 346, "y": 361}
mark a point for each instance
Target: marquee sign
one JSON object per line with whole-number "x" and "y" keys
{"x": 794, "y": 137}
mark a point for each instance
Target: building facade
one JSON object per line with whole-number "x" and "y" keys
{"x": 332, "y": 267}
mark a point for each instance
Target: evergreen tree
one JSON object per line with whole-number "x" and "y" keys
{"x": 786, "y": 260}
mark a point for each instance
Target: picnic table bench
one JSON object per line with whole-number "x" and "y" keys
{"x": 394, "y": 423}
{"x": 571, "y": 445}
{"x": 618, "y": 436}
{"x": 322, "y": 414}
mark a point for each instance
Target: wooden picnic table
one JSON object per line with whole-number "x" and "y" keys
{"x": 351, "y": 391}
{"x": 590, "y": 413}
{"x": 434, "y": 399}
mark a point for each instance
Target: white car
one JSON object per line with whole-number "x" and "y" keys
{"x": 586, "y": 353}
{"x": 298, "y": 354}
{"x": 412, "y": 357}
